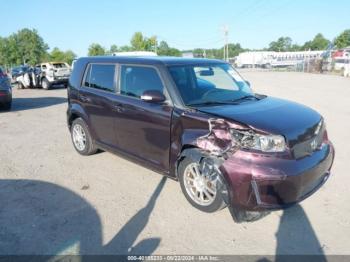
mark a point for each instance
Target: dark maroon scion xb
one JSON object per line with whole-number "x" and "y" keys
{"x": 199, "y": 122}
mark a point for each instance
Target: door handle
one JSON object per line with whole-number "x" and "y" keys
{"x": 84, "y": 98}
{"x": 118, "y": 108}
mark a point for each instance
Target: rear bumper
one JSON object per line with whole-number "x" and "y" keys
{"x": 261, "y": 182}
{"x": 5, "y": 96}
{"x": 57, "y": 81}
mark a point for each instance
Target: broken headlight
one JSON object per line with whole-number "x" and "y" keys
{"x": 264, "y": 143}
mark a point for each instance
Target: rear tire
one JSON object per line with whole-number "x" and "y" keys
{"x": 8, "y": 106}
{"x": 45, "y": 84}
{"x": 81, "y": 138}
{"x": 20, "y": 85}
{"x": 217, "y": 201}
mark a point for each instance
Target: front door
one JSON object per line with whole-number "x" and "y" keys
{"x": 143, "y": 128}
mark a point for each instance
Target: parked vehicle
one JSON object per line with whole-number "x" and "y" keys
{"x": 342, "y": 64}
{"x": 27, "y": 77}
{"x": 5, "y": 91}
{"x": 346, "y": 70}
{"x": 17, "y": 71}
{"x": 44, "y": 75}
{"x": 199, "y": 122}
{"x": 54, "y": 73}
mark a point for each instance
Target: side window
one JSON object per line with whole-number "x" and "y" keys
{"x": 135, "y": 80}
{"x": 87, "y": 76}
{"x": 100, "y": 77}
{"x": 43, "y": 67}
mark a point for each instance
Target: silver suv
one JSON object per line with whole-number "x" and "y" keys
{"x": 53, "y": 73}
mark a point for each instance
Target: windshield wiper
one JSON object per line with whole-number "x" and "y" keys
{"x": 212, "y": 103}
{"x": 246, "y": 98}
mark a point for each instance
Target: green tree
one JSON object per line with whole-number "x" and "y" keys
{"x": 295, "y": 47}
{"x": 163, "y": 48}
{"x": 69, "y": 56}
{"x": 56, "y": 55}
{"x": 343, "y": 40}
{"x": 4, "y": 59}
{"x": 96, "y": 50}
{"x": 137, "y": 42}
{"x": 30, "y": 46}
{"x": 150, "y": 43}
{"x": 60, "y": 56}
{"x": 24, "y": 47}
{"x": 174, "y": 52}
{"x": 234, "y": 50}
{"x": 282, "y": 44}
{"x": 125, "y": 48}
{"x": 198, "y": 52}
{"x": 318, "y": 43}
{"x": 113, "y": 49}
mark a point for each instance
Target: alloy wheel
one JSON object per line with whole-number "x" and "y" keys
{"x": 200, "y": 188}
{"x": 79, "y": 137}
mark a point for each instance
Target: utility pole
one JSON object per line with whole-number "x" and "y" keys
{"x": 156, "y": 45}
{"x": 226, "y": 42}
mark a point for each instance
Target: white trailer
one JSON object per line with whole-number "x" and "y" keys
{"x": 275, "y": 59}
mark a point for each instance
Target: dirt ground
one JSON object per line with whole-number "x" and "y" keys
{"x": 54, "y": 201}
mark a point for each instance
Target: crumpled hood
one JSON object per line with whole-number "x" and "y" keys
{"x": 276, "y": 116}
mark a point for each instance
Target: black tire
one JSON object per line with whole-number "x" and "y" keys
{"x": 45, "y": 84}
{"x": 20, "y": 85}
{"x": 219, "y": 201}
{"x": 8, "y": 106}
{"x": 89, "y": 148}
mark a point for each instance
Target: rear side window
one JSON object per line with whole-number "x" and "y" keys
{"x": 100, "y": 77}
{"x": 59, "y": 65}
{"x": 135, "y": 80}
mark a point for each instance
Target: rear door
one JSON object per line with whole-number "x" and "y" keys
{"x": 143, "y": 128}
{"x": 97, "y": 96}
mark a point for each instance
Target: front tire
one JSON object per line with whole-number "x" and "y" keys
{"x": 81, "y": 138}
{"x": 203, "y": 192}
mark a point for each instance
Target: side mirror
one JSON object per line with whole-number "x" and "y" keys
{"x": 153, "y": 96}
{"x": 208, "y": 72}
{"x": 248, "y": 83}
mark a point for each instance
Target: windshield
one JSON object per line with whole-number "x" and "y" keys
{"x": 201, "y": 84}
{"x": 59, "y": 65}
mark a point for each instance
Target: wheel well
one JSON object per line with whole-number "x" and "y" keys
{"x": 181, "y": 156}
{"x": 72, "y": 117}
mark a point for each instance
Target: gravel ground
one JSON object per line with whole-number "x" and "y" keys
{"x": 54, "y": 201}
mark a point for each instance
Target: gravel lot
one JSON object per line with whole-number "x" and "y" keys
{"x": 54, "y": 201}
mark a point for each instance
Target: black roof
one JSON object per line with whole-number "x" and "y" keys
{"x": 151, "y": 60}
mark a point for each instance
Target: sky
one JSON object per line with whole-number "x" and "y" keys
{"x": 184, "y": 24}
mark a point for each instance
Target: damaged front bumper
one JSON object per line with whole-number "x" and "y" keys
{"x": 267, "y": 182}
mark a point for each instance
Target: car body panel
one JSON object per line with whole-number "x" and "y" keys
{"x": 289, "y": 119}
{"x": 5, "y": 89}
{"x": 156, "y": 135}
